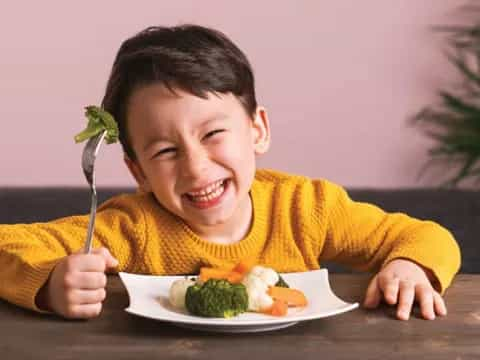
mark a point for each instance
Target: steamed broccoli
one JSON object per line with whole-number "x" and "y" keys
{"x": 98, "y": 121}
{"x": 216, "y": 298}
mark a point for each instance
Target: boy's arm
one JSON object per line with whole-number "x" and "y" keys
{"x": 29, "y": 252}
{"x": 367, "y": 238}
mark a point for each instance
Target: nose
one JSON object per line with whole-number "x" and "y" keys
{"x": 194, "y": 162}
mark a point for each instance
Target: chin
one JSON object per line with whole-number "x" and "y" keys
{"x": 212, "y": 221}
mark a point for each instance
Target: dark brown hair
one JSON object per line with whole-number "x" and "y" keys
{"x": 192, "y": 58}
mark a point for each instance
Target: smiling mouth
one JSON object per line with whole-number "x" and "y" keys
{"x": 211, "y": 193}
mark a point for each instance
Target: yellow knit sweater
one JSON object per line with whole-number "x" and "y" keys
{"x": 298, "y": 222}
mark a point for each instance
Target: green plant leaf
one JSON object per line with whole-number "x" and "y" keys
{"x": 457, "y": 105}
{"x": 464, "y": 69}
{"x": 453, "y": 123}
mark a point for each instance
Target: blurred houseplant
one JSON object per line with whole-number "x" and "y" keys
{"x": 454, "y": 122}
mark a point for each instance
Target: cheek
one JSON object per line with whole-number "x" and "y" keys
{"x": 240, "y": 150}
{"x": 239, "y": 157}
{"x": 161, "y": 177}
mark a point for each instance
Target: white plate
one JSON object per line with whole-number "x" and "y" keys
{"x": 149, "y": 298}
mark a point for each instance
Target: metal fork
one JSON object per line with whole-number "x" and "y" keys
{"x": 88, "y": 164}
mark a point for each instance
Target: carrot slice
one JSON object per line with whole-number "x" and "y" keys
{"x": 279, "y": 308}
{"x": 207, "y": 273}
{"x": 235, "y": 277}
{"x": 244, "y": 266}
{"x": 292, "y": 297}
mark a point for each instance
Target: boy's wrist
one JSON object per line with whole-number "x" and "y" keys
{"x": 432, "y": 278}
{"x": 42, "y": 300}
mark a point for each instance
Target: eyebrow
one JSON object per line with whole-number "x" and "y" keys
{"x": 215, "y": 117}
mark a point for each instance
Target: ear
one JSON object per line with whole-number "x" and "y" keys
{"x": 261, "y": 131}
{"x": 137, "y": 173}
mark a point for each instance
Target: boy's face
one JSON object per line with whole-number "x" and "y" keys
{"x": 196, "y": 155}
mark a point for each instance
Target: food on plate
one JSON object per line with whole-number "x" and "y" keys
{"x": 98, "y": 120}
{"x": 230, "y": 292}
{"x": 292, "y": 297}
{"x": 177, "y": 292}
{"x": 281, "y": 282}
{"x": 216, "y": 298}
{"x": 257, "y": 281}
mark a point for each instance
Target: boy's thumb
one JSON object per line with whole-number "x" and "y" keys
{"x": 110, "y": 260}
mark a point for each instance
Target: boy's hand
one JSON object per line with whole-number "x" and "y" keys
{"x": 400, "y": 283}
{"x": 76, "y": 287}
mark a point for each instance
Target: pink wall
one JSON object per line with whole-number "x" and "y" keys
{"x": 339, "y": 79}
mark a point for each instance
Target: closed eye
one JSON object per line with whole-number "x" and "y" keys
{"x": 164, "y": 151}
{"x": 211, "y": 133}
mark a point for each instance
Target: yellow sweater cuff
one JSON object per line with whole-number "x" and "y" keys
{"x": 34, "y": 277}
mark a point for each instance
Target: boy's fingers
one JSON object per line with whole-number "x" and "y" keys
{"x": 85, "y": 280}
{"x": 424, "y": 295}
{"x": 389, "y": 286}
{"x": 405, "y": 300}
{"x": 373, "y": 294}
{"x": 78, "y": 296}
{"x": 439, "y": 304}
{"x": 84, "y": 311}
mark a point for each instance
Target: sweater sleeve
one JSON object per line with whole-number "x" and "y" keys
{"x": 365, "y": 237}
{"x": 29, "y": 252}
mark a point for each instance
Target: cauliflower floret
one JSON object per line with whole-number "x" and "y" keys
{"x": 268, "y": 275}
{"x": 257, "y": 288}
{"x": 252, "y": 281}
{"x": 177, "y": 292}
{"x": 258, "y": 300}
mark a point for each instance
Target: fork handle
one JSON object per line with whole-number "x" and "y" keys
{"x": 91, "y": 223}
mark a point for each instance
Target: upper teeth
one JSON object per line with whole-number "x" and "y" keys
{"x": 207, "y": 190}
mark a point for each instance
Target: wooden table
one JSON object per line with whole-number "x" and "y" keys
{"x": 359, "y": 334}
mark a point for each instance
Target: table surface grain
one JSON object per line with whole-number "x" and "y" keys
{"x": 359, "y": 334}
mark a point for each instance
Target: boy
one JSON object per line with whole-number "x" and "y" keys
{"x": 190, "y": 128}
